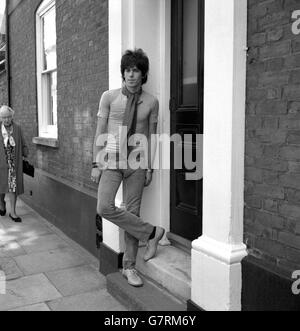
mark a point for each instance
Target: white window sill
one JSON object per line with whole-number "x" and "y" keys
{"x": 49, "y": 142}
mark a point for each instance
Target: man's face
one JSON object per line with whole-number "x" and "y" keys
{"x": 7, "y": 120}
{"x": 133, "y": 77}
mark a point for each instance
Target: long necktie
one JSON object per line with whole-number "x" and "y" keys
{"x": 130, "y": 116}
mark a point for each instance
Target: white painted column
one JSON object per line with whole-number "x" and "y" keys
{"x": 113, "y": 236}
{"x": 217, "y": 255}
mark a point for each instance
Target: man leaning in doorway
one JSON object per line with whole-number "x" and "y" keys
{"x": 137, "y": 111}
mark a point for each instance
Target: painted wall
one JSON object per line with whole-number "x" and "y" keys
{"x": 142, "y": 24}
{"x": 152, "y": 27}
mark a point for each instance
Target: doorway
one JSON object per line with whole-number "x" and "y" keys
{"x": 186, "y": 106}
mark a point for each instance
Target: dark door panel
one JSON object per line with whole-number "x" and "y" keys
{"x": 186, "y": 112}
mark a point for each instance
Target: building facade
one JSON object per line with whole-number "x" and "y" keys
{"x": 3, "y": 72}
{"x": 226, "y": 71}
{"x": 82, "y": 70}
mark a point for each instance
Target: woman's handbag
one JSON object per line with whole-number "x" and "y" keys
{"x": 28, "y": 169}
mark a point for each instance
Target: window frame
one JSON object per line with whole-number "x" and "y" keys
{"x": 44, "y": 129}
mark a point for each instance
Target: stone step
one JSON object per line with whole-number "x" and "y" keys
{"x": 147, "y": 298}
{"x": 171, "y": 270}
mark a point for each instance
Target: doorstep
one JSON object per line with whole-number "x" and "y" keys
{"x": 171, "y": 270}
{"x": 167, "y": 282}
{"x": 147, "y": 298}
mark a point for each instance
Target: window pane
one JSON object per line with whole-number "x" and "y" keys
{"x": 49, "y": 30}
{"x": 190, "y": 52}
{"x": 51, "y": 86}
{"x": 53, "y": 98}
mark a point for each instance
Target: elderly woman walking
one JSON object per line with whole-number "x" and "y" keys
{"x": 12, "y": 150}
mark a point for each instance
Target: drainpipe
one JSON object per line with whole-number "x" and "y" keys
{"x": 7, "y": 55}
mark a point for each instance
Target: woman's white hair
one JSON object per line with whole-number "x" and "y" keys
{"x": 6, "y": 111}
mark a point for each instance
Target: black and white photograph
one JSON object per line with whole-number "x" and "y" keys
{"x": 149, "y": 158}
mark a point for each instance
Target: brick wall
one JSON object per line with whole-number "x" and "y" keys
{"x": 3, "y": 73}
{"x": 272, "y": 194}
{"x": 3, "y": 88}
{"x": 82, "y": 51}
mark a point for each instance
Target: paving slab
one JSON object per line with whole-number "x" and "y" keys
{"x": 4, "y": 236}
{"x": 93, "y": 301}
{"x": 27, "y": 215}
{"x": 11, "y": 249}
{"x": 77, "y": 280}
{"x": 20, "y": 231}
{"x": 33, "y": 308}
{"x": 49, "y": 261}
{"x": 42, "y": 243}
{"x": 28, "y": 291}
{"x": 28, "y": 218}
{"x": 47, "y": 271}
{"x": 10, "y": 268}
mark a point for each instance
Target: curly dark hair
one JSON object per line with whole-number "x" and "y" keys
{"x": 136, "y": 58}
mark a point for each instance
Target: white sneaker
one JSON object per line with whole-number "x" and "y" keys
{"x": 133, "y": 277}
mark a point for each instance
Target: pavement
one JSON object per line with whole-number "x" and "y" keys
{"x": 47, "y": 271}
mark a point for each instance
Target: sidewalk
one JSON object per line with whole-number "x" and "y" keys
{"x": 47, "y": 271}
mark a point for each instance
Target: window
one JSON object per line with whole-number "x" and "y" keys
{"x": 47, "y": 69}
{"x": 2, "y": 54}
